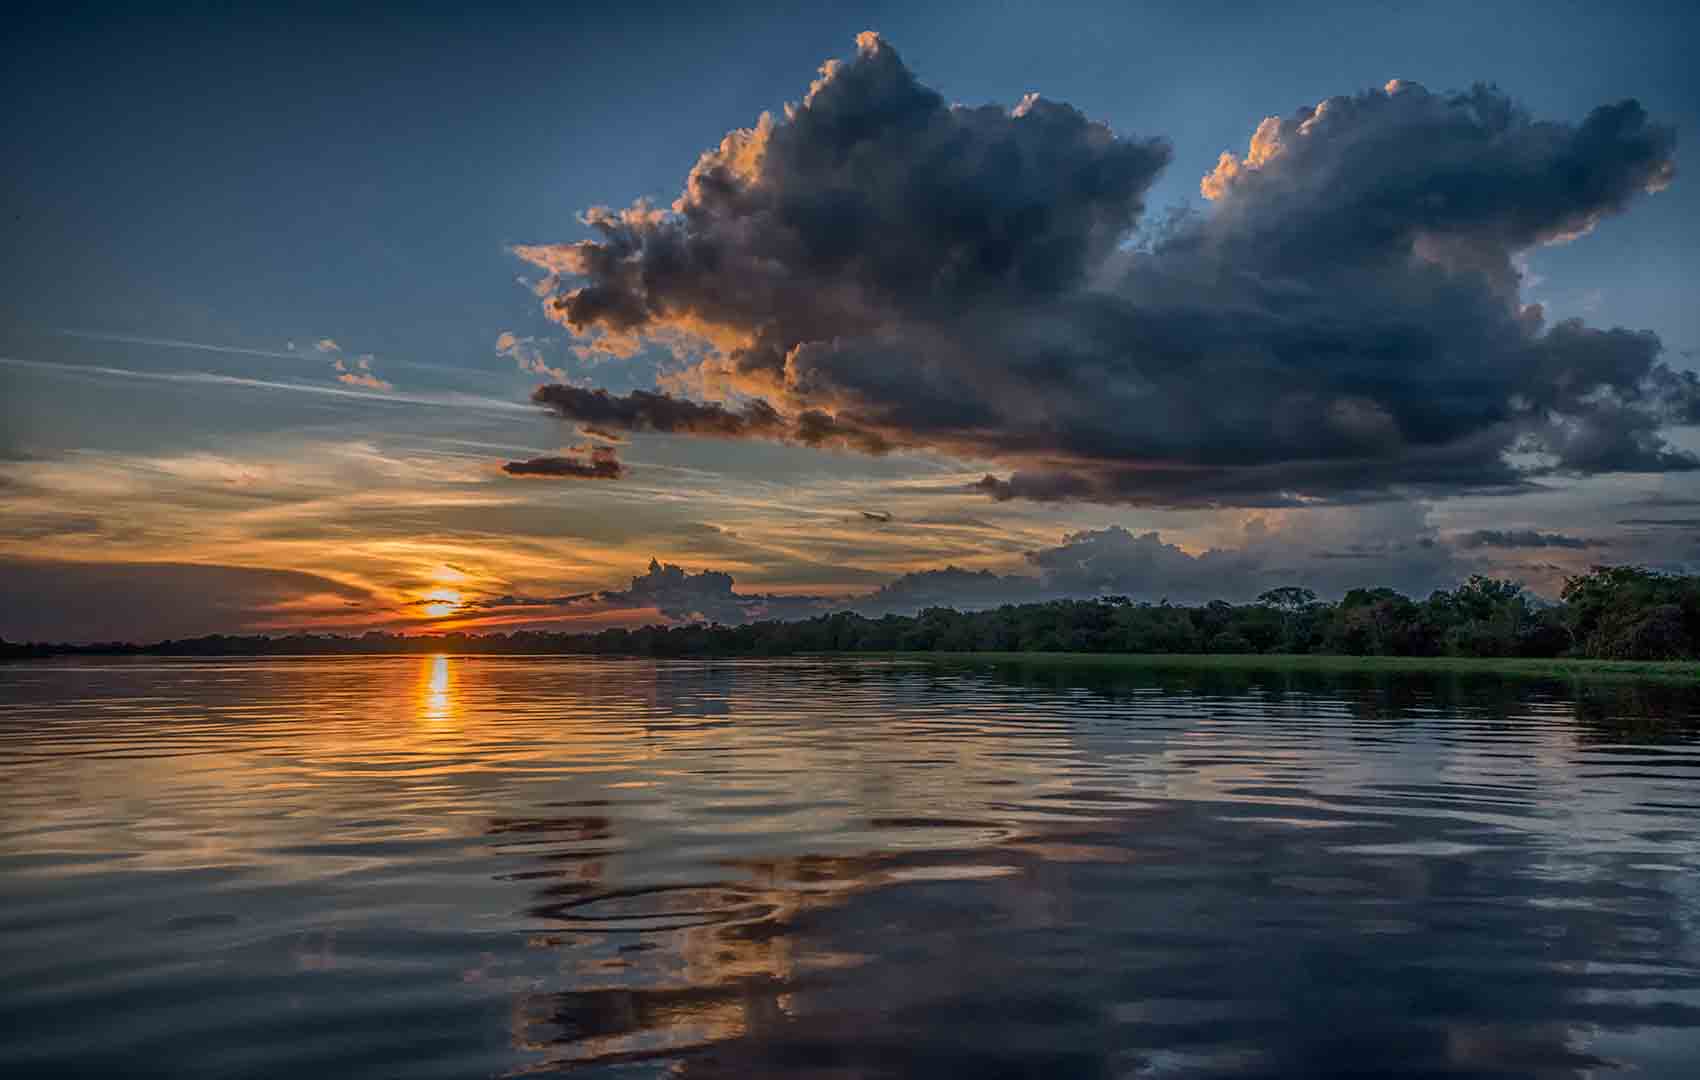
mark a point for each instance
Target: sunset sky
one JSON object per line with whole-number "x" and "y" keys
{"x": 426, "y": 319}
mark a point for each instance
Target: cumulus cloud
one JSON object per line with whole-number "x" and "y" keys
{"x": 358, "y": 372}
{"x": 579, "y": 463}
{"x": 352, "y": 370}
{"x": 876, "y": 268}
{"x": 951, "y": 586}
{"x": 527, "y": 355}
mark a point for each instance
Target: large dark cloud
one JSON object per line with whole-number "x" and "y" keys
{"x": 888, "y": 270}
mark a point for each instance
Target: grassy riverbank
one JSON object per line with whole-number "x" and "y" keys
{"x": 1675, "y": 671}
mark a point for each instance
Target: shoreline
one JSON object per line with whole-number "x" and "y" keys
{"x": 1686, "y": 672}
{"x": 1679, "y": 671}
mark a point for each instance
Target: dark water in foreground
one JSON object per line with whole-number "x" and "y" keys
{"x": 423, "y": 867}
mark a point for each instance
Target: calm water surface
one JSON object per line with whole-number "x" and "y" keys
{"x": 470, "y": 867}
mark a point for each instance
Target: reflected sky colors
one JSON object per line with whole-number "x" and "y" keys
{"x": 476, "y": 866}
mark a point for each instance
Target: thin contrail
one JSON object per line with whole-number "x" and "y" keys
{"x": 311, "y": 352}
{"x": 457, "y": 401}
{"x": 170, "y": 343}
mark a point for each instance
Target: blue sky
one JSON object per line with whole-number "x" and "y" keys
{"x": 267, "y": 180}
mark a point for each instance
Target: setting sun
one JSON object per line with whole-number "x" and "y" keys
{"x": 441, "y": 602}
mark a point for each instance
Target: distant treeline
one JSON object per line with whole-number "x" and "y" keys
{"x": 1616, "y": 613}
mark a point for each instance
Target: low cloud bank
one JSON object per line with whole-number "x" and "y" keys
{"x": 677, "y": 594}
{"x": 1389, "y": 545}
{"x": 53, "y": 600}
{"x": 1526, "y": 538}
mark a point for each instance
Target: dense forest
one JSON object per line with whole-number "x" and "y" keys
{"x": 1617, "y": 613}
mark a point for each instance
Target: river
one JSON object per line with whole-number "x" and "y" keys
{"x": 483, "y": 866}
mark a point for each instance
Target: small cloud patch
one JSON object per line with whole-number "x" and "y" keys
{"x": 579, "y": 463}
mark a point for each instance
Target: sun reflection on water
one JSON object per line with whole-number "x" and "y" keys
{"x": 437, "y": 704}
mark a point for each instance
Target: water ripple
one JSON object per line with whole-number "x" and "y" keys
{"x": 444, "y": 866}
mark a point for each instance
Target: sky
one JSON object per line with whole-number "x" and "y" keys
{"x": 420, "y": 318}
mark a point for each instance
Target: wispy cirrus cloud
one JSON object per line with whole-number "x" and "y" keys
{"x": 173, "y": 343}
{"x": 457, "y": 401}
